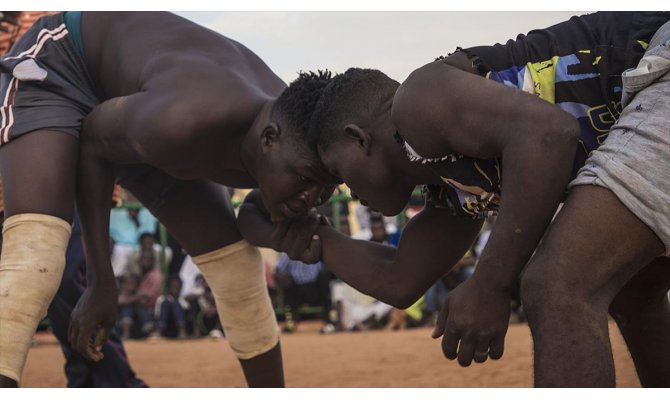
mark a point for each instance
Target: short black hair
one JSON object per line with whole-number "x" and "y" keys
{"x": 351, "y": 96}
{"x": 296, "y": 104}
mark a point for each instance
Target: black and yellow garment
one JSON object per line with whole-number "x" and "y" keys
{"x": 576, "y": 65}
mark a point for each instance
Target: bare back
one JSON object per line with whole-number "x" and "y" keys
{"x": 124, "y": 51}
{"x": 199, "y": 76}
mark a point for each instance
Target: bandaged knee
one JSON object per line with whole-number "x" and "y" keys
{"x": 237, "y": 279}
{"x": 31, "y": 268}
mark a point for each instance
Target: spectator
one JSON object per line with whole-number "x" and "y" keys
{"x": 303, "y": 284}
{"x": 148, "y": 251}
{"x": 148, "y": 264}
{"x": 191, "y": 279}
{"x": 192, "y": 307}
{"x": 364, "y": 215}
{"x": 134, "y": 312}
{"x": 356, "y": 311}
{"x": 208, "y": 317}
{"x": 170, "y": 315}
{"x": 193, "y": 287}
{"x": 142, "y": 285}
{"x": 126, "y": 225}
{"x": 411, "y": 317}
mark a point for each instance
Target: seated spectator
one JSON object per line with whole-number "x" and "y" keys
{"x": 366, "y": 216}
{"x": 134, "y": 314}
{"x": 412, "y": 317}
{"x": 143, "y": 266}
{"x": 193, "y": 286}
{"x": 356, "y": 311}
{"x": 303, "y": 284}
{"x": 170, "y": 315}
{"x": 126, "y": 225}
{"x": 148, "y": 250}
{"x": 208, "y": 317}
{"x": 191, "y": 279}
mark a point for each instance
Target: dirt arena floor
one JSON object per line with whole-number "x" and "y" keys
{"x": 363, "y": 359}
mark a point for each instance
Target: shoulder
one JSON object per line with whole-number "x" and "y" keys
{"x": 423, "y": 89}
{"x": 202, "y": 92}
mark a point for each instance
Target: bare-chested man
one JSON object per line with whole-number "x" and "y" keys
{"x": 171, "y": 109}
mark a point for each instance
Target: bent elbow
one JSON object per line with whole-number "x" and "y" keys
{"x": 404, "y": 298}
{"x": 567, "y": 130}
{"x": 572, "y": 131}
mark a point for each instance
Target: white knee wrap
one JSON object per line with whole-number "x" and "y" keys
{"x": 31, "y": 268}
{"x": 235, "y": 274}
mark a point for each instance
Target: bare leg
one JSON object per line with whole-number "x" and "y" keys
{"x": 642, "y": 312}
{"x": 38, "y": 172}
{"x": 592, "y": 249}
{"x": 200, "y": 216}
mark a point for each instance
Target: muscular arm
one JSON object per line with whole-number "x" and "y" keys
{"x": 431, "y": 244}
{"x": 253, "y": 221}
{"x": 117, "y": 131}
{"x": 109, "y": 137}
{"x": 441, "y": 109}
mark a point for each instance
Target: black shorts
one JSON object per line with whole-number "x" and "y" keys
{"x": 44, "y": 83}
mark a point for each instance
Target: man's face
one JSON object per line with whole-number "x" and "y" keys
{"x": 378, "y": 231}
{"x": 174, "y": 288}
{"x": 290, "y": 181}
{"x": 369, "y": 175}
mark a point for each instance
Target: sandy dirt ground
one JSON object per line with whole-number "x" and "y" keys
{"x": 363, "y": 359}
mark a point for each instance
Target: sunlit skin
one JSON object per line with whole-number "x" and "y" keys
{"x": 186, "y": 111}
{"x": 447, "y": 107}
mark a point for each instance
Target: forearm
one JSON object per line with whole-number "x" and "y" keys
{"x": 535, "y": 179}
{"x": 387, "y": 275}
{"x": 431, "y": 244}
{"x": 255, "y": 226}
{"x": 367, "y": 266}
{"x": 95, "y": 184}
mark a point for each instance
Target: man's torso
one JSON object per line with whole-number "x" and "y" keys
{"x": 128, "y": 53}
{"x": 576, "y": 65}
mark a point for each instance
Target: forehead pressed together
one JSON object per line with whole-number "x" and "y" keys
{"x": 349, "y": 98}
{"x": 316, "y": 114}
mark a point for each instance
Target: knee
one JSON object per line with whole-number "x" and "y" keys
{"x": 532, "y": 289}
{"x": 544, "y": 293}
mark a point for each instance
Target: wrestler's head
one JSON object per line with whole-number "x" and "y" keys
{"x": 355, "y": 139}
{"x": 289, "y": 172}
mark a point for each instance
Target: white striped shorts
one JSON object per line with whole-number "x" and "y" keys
{"x": 44, "y": 83}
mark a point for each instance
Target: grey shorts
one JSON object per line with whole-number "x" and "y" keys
{"x": 44, "y": 83}
{"x": 634, "y": 160}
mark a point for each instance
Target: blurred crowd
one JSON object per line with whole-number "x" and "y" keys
{"x": 162, "y": 294}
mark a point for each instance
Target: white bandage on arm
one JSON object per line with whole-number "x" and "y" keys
{"x": 235, "y": 274}
{"x": 31, "y": 268}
